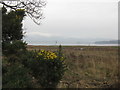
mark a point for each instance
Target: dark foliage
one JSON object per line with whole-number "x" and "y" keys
{"x": 12, "y": 32}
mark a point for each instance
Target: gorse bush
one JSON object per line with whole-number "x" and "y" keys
{"x": 15, "y": 75}
{"x": 15, "y": 47}
{"x": 46, "y": 55}
{"x": 48, "y": 68}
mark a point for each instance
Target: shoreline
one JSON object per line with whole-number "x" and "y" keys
{"x": 73, "y": 45}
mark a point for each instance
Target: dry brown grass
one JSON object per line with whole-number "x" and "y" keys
{"x": 92, "y": 67}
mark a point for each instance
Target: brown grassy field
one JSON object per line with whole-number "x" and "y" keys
{"x": 88, "y": 66}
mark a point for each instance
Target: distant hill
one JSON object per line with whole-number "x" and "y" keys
{"x": 108, "y": 42}
{"x": 37, "y": 39}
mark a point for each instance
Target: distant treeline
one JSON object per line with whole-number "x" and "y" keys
{"x": 108, "y": 42}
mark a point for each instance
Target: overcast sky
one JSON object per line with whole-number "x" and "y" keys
{"x": 76, "y": 19}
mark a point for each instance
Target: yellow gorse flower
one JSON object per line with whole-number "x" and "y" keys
{"x": 20, "y": 9}
{"x": 47, "y": 55}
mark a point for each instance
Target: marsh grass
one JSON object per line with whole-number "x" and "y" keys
{"x": 92, "y": 67}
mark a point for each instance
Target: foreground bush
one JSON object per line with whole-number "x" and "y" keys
{"x": 48, "y": 68}
{"x": 16, "y": 47}
{"x": 16, "y": 76}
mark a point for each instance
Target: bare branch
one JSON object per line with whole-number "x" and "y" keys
{"x": 33, "y": 8}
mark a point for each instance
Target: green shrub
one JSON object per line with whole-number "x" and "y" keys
{"x": 48, "y": 68}
{"x": 16, "y": 76}
{"x": 14, "y": 48}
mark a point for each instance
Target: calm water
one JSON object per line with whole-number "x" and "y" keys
{"x": 77, "y": 44}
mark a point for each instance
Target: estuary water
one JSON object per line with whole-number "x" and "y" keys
{"x": 76, "y": 44}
